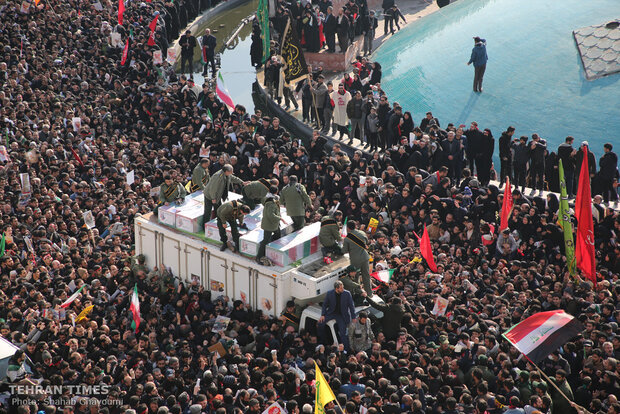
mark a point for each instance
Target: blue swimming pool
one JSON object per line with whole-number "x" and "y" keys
{"x": 534, "y": 78}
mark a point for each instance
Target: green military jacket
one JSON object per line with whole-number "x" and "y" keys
{"x": 214, "y": 189}
{"x": 330, "y": 232}
{"x": 257, "y": 190}
{"x": 230, "y": 211}
{"x": 295, "y": 199}
{"x": 167, "y": 194}
{"x": 271, "y": 214}
{"x": 355, "y": 244}
{"x": 200, "y": 177}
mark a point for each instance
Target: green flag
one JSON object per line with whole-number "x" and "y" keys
{"x": 2, "y": 245}
{"x": 209, "y": 115}
{"x": 263, "y": 20}
{"x": 565, "y": 223}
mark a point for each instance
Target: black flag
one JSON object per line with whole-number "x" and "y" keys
{"x": 293, "y": 55}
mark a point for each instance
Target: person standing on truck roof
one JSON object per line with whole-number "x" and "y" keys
{"x": 171, "y": 191}
{"x": 295, "y": 199}
{"x": 338, "y": 305}
{"x": 231, "y": 212}
{"x": 270, "y": 224}
{"x": 200, "y": 175}
{"x": 216, "y": 189}
{"x": 356, "y": 244}
{"x": 329, "y": 235}
{"x": 255, "y": 192}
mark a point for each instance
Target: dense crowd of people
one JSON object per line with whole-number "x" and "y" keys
{"x": 76, "y": 122}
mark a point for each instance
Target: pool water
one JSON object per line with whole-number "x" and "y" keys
{"x": 238, "y": 73}
{"x": 534, "y": 78}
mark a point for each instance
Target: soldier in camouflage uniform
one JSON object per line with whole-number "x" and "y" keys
{"x": 295, "y": 198}
{"x": 356, "y": 244}
{"x": 170, "y": 191}
{"x": 270, "y": 224}
{"x": 200, "y": 175}
{"x": 329, "y": 235}
{"x": 216, "y": 189}
{"x": 231, "y": 212}
{"x": 255, "y": 192}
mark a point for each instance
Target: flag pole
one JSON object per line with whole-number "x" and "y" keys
{"x": 316, "y": 110}
{"x": 552, "y": 383}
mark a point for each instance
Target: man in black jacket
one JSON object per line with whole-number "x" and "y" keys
{"x": 505, "y": 155}
{"x": 208, "y": 42}
{"x": 538, "y": 147}
{"x": 608, "y": 173}
{"x": 567, "y": 153}
{"x": 329, "y": 29}
{"x": 188, "y": 43}
{"x": 342, "y": 24}
{"x": 521, "y": 158}
{"x": 474, "y": 142}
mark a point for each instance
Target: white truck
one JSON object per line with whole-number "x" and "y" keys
{"x": 237, "y": 276}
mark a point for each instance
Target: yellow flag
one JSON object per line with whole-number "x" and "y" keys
{"x": 188, "y": 186}
{"x": 85, "y": 313}
{"x": 324, "y": 393}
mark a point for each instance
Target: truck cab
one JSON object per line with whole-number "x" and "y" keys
{"x": 311, "y": 314}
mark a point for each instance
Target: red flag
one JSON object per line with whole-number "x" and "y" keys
{"x": 506, "y": 206}
{"x": 125, "y": 52}
{"x": 77, "y": 157}
{"x": 585, "y": 224}
{"x": 426, "y": 249}
{"x": 152, "y": 26}
{"x": 121, "y": 10}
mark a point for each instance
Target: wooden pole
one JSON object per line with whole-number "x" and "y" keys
{"x": 572, "y": 403}
{"x": 316, "y": 110}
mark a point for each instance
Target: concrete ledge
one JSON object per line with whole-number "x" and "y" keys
{"x": 297, "y": 128}
{"x": 335, "y": 62}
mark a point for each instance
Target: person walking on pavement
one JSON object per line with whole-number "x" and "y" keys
{"x": 187, "y": 43}
{"x": 479, "y": 58}
{"x": 295, "y": 198}
{"x": 369, "y": 27}
{"x": 338, "y": 305}
{"x": 387, "y": 15}
{"x": 356, "y": 244}
{"x": 505, "y": 155}
{"x": 208, "y": 42}
{"x": 255, "y": 191}
{"x": 231, "y": 212}
{"x": 329, "y": 235}
{"x": 216, "y": 189}
{"x": 200, "y": 175}
{"x": 270, "y": 224}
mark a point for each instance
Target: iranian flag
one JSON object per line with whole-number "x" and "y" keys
{"x": 383, "y": 275}
{"x": 344, "y": 232}
{"x": 222, "y": 92}
{"x": 542, "y": 333}
{"x": 73, "y": 297}
{"x": 134, "y": 307}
